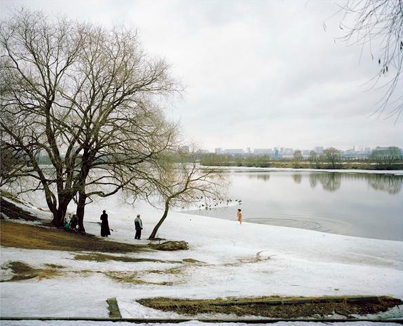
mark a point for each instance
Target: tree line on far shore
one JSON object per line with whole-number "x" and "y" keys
{"x": 390, "y": 158}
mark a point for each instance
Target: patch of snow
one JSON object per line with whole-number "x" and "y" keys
{"x": 235, "y": 260}
{"x": 5, "y": 273}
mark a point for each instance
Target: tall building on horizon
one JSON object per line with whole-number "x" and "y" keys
{"x": 319, "y": 149}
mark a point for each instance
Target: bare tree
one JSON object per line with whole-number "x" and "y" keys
{"x": 313, "y": 159}
{"x": 386, "y": 158}
{"x": 379, "y": 23}
{"x": 88, "y": 98}
{"x": 297, "y": 157}
{"x": 10, "y": 163}
{"x": 184, "y": 183}
{"x": 332, "y": 156}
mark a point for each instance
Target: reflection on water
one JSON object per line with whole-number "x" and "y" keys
{"x": 390, "y": 184}
{"x": 297, "y": 178}
{"x": 259, "y": 176}
{"x": 356, "y": 204}
{"x": 331, "y": 181}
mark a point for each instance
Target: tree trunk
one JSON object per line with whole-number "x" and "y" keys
{"x": 82, "y": 195}
{"x": 80, "y": 211}
{"x": 60, "y": 214}
{"x": 164, "y": 216}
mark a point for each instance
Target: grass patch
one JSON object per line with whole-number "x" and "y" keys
{"x": 113, "y": 308}
{"x": 132, "y": 278}
{"x": 35, "y": 237}
{"x": 125, "y": 277}
{"x": 275, "y": 307}
{"x": 54, "y": 266}
{"x": 103, "y": 258}
{"x": 170, "y": 245}
{"x": 23, "y": 271}
{"x": 192, "y": 261}
{"x": 169, "y": 271}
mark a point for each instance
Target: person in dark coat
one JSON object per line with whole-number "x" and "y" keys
{"x": 138, "y": 224}
{"x": 73, "y": 222}
{"x": 105, "y": 225}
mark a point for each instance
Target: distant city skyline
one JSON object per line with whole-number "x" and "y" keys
{"x": 356, "y": 148}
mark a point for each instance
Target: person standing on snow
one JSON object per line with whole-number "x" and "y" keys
{"x": 239, "y": 215}
{"x": 104, "y": 225}
{"x": 138, "y": 224}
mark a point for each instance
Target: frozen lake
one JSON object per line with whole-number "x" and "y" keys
{"x": 356, "y": 204}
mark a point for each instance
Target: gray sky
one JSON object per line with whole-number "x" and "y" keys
{"x": 258, "y": 73}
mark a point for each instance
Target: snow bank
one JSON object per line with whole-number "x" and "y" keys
{"x": 234, "y": 261}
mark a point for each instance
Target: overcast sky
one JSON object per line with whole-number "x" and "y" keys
{"x": 258, "y": 73}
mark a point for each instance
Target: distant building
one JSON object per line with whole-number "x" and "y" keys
{"x": 318, "y": 150}
{"x": 185, "y": 149}
{"x": 263, "y": 151}
{"x": 392, "y": 150}
{"x": 288, "y": 151}
{"x": 379, "y": 148}
{"x": 276, "y": 153}
{"x": 218, "y": 150}
{"x": 235, "y": 151}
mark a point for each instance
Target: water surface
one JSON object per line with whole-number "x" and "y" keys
{"x": 356, "y": 204}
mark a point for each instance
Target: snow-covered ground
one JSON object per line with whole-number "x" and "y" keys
{"x": 234, "y": 261}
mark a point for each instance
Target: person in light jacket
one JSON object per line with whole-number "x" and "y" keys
{"x": 138, "y": 224}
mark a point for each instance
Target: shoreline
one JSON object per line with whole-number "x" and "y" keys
{"x": 190, "y": 213}
{"x": 274, "y": 169}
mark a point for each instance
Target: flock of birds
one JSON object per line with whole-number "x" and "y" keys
{"x": 217, "y": 203}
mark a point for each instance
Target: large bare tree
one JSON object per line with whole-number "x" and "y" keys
{"x": 86, "y": 97}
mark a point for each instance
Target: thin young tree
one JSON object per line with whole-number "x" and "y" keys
{"x": 89, "y": 99}
{"x": 183, "y": 182}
